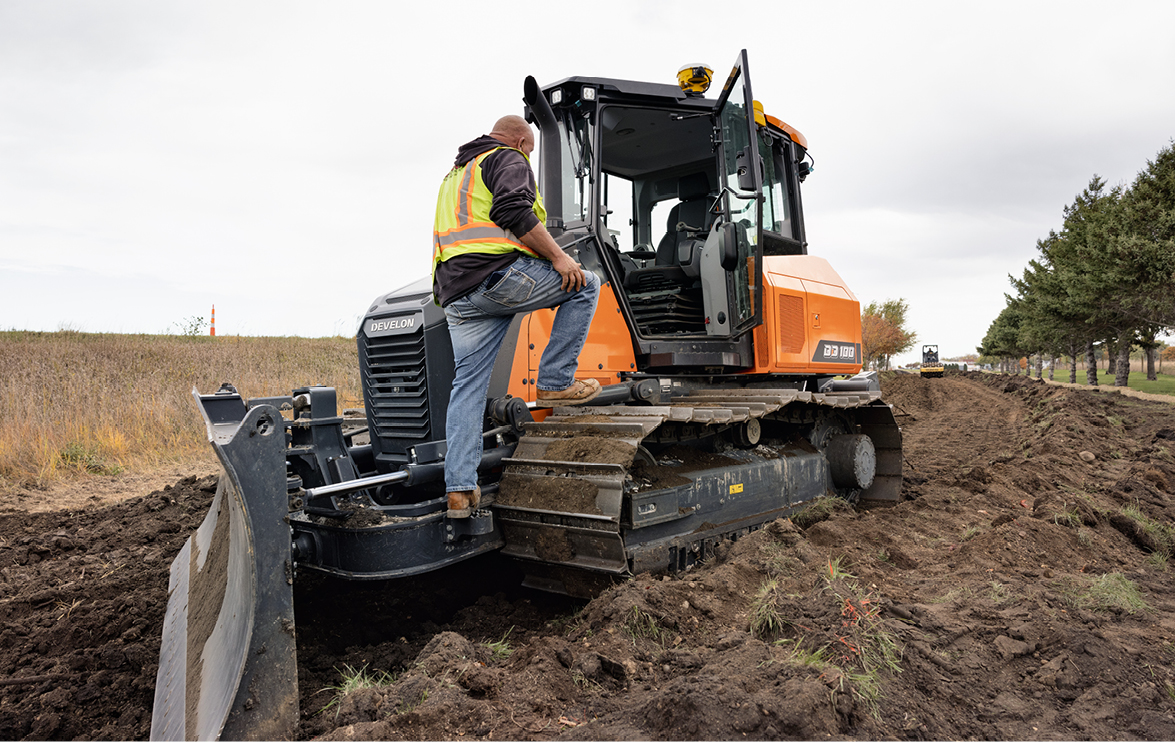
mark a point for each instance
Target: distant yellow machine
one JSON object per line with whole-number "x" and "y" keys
{"x": 931, "y": 365}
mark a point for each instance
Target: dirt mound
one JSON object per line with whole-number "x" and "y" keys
{"x": 1019, "y": 591}
{"x": 82, "y": 597}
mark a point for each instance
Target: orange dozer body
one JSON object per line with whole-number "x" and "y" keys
{"x": 811, "y": 320}
{"x": 811, "y": 326}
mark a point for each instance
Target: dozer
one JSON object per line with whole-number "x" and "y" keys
{"x": 730, "y": 360}
{"x": 931, "y": 367}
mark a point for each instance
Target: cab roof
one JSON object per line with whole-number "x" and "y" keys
{"x": 612, "y": 90}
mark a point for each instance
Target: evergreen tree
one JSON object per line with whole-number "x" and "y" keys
{"x": 1107, "y": 277}
{"x": 1003, "y": 336}
{"x": 1145, "y": 251}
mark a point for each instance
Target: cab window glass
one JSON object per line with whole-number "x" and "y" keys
{"x": 659, "y": 219}
{"x": 776, "y": 209}
{"x": 645, "y": 152}
{"x": 617, "y": 211}
{"x": 574, "y": 137}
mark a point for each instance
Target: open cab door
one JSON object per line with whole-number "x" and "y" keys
{"x": 732, "y": 260}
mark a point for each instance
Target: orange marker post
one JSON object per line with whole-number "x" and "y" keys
{"x": 212, "y": 331}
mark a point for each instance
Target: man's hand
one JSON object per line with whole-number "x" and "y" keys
{"x": 573, "y": 278}
{"x": 540, "y": 240}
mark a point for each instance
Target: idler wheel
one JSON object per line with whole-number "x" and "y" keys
{"x": 748, "y": 433}
{"x": 852, "y": 461}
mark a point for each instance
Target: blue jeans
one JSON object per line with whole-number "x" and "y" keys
{"x": 477, "y": 326}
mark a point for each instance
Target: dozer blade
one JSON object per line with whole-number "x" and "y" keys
{"x": 227, "y": 666}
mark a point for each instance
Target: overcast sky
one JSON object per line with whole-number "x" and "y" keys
{"x": 281, "y": 160}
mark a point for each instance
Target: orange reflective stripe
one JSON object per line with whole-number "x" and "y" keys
{"x": 471, "y": 225}
{"x": 483, "y": 241}
{"x": 465, "y": 194}
{"x": 483, "y": 235}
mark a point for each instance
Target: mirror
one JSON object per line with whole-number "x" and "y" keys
{"x": 743, "y": 160}
{"x": 729, "y": 249}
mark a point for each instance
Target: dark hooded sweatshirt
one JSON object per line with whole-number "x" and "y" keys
{"x": 511, "y": 181}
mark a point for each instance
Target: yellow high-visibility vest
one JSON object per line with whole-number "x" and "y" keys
{"x": 463, "y": 222}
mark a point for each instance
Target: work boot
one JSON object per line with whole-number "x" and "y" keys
{"x": 461, "y": 504}
{"x": 580, "y": 391}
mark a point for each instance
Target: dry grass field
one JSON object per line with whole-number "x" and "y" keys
{"x": 81, "y": 404}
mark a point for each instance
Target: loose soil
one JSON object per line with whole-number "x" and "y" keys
{"x": 590, "y": 448}
{"x": 992, "y": 602}
{"x": 565, "y": 494}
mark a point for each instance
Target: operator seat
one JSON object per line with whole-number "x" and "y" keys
{"x": 680, "y": 250}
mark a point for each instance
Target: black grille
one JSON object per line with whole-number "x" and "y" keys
{"x": 669, "y": 312}
{"x": 396, "y": 387}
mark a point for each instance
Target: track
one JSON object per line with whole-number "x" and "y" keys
{"x": 584, "y": 490}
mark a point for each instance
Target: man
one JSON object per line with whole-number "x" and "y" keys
{"x": 492, "y": 259}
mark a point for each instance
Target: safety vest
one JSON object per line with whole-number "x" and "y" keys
{"x": 463, "y": 222}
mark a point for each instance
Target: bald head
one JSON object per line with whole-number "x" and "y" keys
{"x": 513, "y": 131}
{"x": 511, "y": 126}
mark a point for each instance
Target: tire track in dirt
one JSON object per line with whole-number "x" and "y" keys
{"x": 963, "y": 423}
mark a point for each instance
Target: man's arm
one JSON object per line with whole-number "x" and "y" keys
{"x": 511, "y": 181}
{"x": 509, "y": 177}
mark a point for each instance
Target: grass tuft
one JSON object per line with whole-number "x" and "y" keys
{"x": 801, "y": 655}
{"x": 866, "y": 648}
{"x": 353, "y": 680}
{"x": 958, "y": 593}
{"x": 1163, "y": 535}
{"x": 87, "y": 459}
{"x": 1069, "y": 517}
{"x": 818, "y": 510}
{"x": 779, "y": 558}
{"x": 501, "y": 649}
{"x": 766, "y": 620}
{"x": 1111, "y": 591}
{"x": 583, "y": 682}
{"x": 836, "y": 571}
{"x": 641, "y": 625}
{"x": 998, "y": 592}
